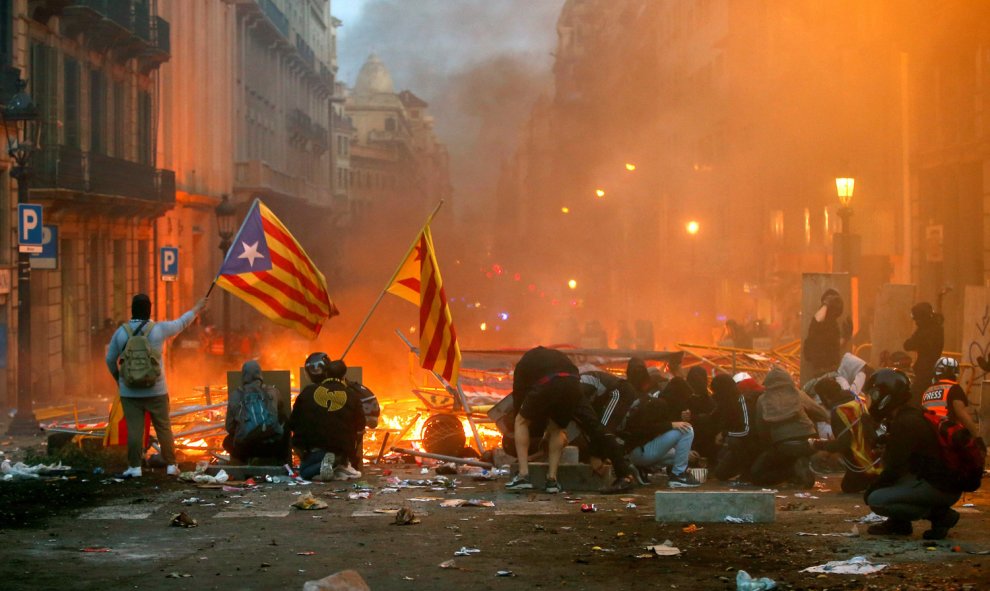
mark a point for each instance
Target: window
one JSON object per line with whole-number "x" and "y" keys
{"x": 6, "y": 33}
{"x": 119, "y": 121}
{"x": 97, "y": 112}
{"x": 144, "y": 128}
{"x": 70, "y": 121}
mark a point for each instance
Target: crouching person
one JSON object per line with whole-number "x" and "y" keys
{"x": 257, "y": 421}
{"x": 326, "y": 420}
{"x": 915, "y": 483}
{"x": 735, "y": 418}
{"x": 786, "y": 422}
{"x": 654, "y": 440}
{"x": 855, "y": 435}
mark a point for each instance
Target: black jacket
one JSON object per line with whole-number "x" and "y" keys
{"x": 327, "y": 416}
{"x": 912, "y": 448}
{"x": 928, "y": 340}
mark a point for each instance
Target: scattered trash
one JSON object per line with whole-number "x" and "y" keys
{"x": 630, "y": 505}
{"x": 600, "y": 549}
{"x": 203, "y": 478}
{"x": 449, "y": 468}
{"x": 744, "y": 582}
{"x": 191, "y": 501}
{"x": 21, "y": 471}
{"x": 308, "y": 502}
{"x": 354, "y": 496}
{"x": 183, "y": 520}
{"x": 345, "y": 579}
{"x": 465, "y": 551}
{"x": 850, "y": 534}
{"x": 589, "y": 508}
{"x": 467, "y": 503}
{"x": 100, "y": 549}
{"x": 174, "y": 575}
{"x": 804, "y": 495}
{"x": 871, "y": 518}
{"x": 306, "y": 553}
{"x": 447, "y": 564}
{"x": 627, "y": 499}
{"x": 691, "y": 529}
{"x": 505, "y": 573}
{"x": 743, "y": 519}
{"x": 857, "y": 565}
{"x": 405, "y": 516}
{"x": 665, "y": 549}
{"x": 425, "y": 499}
{"x": 969, "y": 505}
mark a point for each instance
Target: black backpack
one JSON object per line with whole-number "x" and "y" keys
{"x": 257, "y": 418}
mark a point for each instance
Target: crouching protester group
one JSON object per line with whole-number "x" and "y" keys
{"x": 911, "y": 462}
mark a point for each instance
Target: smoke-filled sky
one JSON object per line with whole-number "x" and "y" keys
{"x": 480, "y": 64}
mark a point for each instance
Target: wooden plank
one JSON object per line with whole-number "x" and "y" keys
{"x": 892, "y": 323}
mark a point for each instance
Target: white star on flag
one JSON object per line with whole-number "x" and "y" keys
{"x": 250, "y": 253}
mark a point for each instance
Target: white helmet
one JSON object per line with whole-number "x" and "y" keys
{"x": 946, "y": 368}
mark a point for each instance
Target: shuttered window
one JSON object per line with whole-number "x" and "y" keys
{"x": 97, "y": 112}
{"x": 70, "y": 120}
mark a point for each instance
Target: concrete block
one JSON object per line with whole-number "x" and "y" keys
{"x": 572, "y": 477}
{"x": 697, "y": 506}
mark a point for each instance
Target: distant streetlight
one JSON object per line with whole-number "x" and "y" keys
{"x": 844, "y": 189}
{"x": 572, "y": 284}
{"x": 630, "y": 167}
{"x": 599, "y": 193}
{"x": 226, "y": 219}
{"x": 22, "y": 126}
{"x": 693, "y": 227}
{"x": 565, "y": 209}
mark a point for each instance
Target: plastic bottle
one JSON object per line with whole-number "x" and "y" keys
{"x": 744, "y": 582}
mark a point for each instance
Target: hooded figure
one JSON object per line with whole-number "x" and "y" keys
{"x": 822, "y": 347}
{"x": 735, "y": 418}
{"x": 702, "y": 408}
{"x": 273, "y": 449}
{"x": 785, "y": 418}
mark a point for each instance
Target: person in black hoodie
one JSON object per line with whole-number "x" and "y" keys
{"x": 823, "y": 346}
{"x": 927, "y": 341}
{"x": 735, "y": 419}
{"x": 702, "y": 408}
{"x": 915, "y": 483}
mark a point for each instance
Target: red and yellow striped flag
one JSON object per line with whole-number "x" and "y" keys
{"x": 418, "y": 281}
{"x": 267, "y": 268}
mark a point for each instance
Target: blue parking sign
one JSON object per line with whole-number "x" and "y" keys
{"x": 30, "y": 233}
{"x": 169, "y": 263}
{"x": 47, "y": 257}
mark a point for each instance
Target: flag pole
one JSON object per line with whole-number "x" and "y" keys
{"x": 226, "y": 255}
{"x": 389, "y": 283}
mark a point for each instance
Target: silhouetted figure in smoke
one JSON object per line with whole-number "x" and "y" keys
{"x": 738, "y": 335}
{"x": 701, "y": 405}
{"x": 823, "y": 345}
{"x": 927, "y": 341}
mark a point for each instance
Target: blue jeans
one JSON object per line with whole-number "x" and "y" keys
{"x": 670, "y": 448}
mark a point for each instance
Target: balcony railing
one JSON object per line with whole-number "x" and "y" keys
{"x": 130, "y": 26}
{"x": 63, "y": 167}
{"x": 276, "y": 16}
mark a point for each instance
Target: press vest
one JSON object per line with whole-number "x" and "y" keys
{"x": 936, "y": 398}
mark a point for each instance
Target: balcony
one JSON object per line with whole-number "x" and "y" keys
{"x": 100, "y": 178}
{"x": 127, "y": 27}
{"x": 258, "y": 177}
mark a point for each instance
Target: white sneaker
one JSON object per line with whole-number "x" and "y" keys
{"x": 131, "y": 473}
{"x": 326, "y": 467}
{"x": 172, "y": 470}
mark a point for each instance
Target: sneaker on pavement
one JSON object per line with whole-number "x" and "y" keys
{"x": 891, "y": 527}
{"x": 683, "y": 480}
{"x": 131, "y": 473}
{"x": 642, "y": 476}
{"x": 519, "y": 482}
{"x": 621, "y": 485}
{"x": 941, "y": 526}
{"x": 172, "y": 470}
{"x": 552, "y": 486}
{"x": 326, "y": 467}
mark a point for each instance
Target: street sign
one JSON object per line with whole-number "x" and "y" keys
{"x": 29, "y": 227}
{"x": 48, "y": 257}
{"x": 169, "y": 263}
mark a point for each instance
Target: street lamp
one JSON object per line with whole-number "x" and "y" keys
{"x": 844, "y": 188}
{"x": 226, "y": 218}
{"x": 22, "y": 127}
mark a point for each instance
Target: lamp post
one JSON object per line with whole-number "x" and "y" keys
{"x": 226, "y": 214}
{"x": 22, "y": 127}
{"x": 844, "y": 188}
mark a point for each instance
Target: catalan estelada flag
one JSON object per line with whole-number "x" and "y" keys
{"x": 116, "y": 433}
{"x": 418, "y": 281}
{"x": 267, "y": 268}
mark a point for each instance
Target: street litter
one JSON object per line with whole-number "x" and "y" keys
{"x": 691, "y": 529}
{"x": 465, "y": 551}
{"x": 405, "y": 516}
{"x": 308, "y": 502}
{"x": 630, "y": 505}
{"x": 354, "y": 496}
{"x": 744, "y": 582}
{"x": 871, "y": 518}
{"x": 447, "y": 564}
{"x": 804, "y": 495}
{"x": 665, "y": 549}
{"x": 743, "y": 519}
{"x": 183, "y": 520}
{"x": 425, "y": 499}
{"x": 969, "y": 505}
{"x": 467, "y": 503}
{"x": 600, "y": 549}
{"x": 505, "y": 573}
{"x": 191, "y": 501}
{"x": 850, "y": 534}
{"x": 857, "y": 565}
{"x": 95, "y": 550}
{"x": 203, "y": 478}
{"x": 21, "y": 471}
{"x": 177, "y": 575}
{"x": 589, "y": 508}
{"x": 388, "y": 490}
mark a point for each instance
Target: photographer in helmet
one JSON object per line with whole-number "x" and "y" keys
{"x": 326, "y": 419}
{"x": 915, "y": 483}
{"x": 946, "y": 398}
